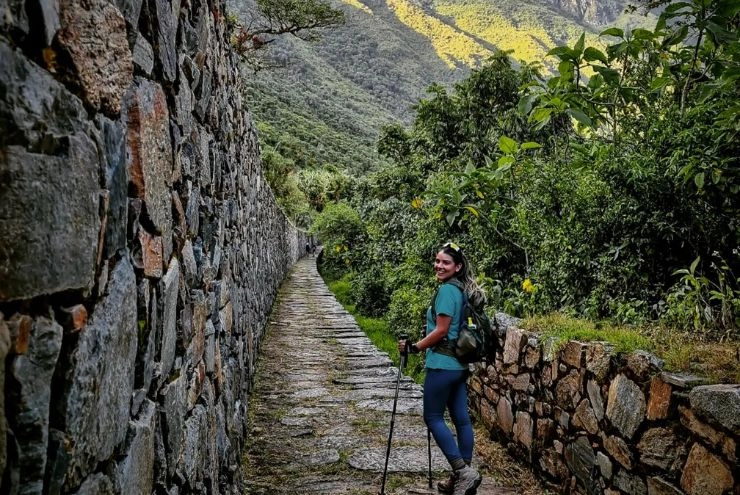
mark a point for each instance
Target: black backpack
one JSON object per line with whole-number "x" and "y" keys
{"x": 476, "y": 341}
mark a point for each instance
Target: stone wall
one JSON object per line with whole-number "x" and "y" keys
{"x": 140, "y": 248}
{"x": 594, "y": 421}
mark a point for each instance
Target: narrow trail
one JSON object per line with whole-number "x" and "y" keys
{"x": 320, "y": 409}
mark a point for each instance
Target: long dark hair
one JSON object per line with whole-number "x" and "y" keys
{"x": 466, "y": 276}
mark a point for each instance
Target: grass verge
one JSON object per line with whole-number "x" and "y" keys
{"x": 719, "y": 362}
{"x": 376, "y": 329}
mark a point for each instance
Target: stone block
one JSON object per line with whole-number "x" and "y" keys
{"x": 515, "y": 341}
{"x": 43, "y": 254}
{"x": 151, "y": 254}
{"x": 682, "y": 380}
{"x": 585, "y": 419}
{"x": 226, "y": 317}
{"x": 619, "y": 450}
{"x": 658, "y": 486}
{"x": 659, "y": 399}
{"x": 149, "y": 151}
{"x": 605, "y": 465}
{"x": 195, "y": 451}
{"x": 569, "y": 390}
{"x": 93, "y": 38}
{"x": 523, "y": 429}
{"x": 643, "y": 364}
{"x": 143, "y": 55}
{"x": 98, "y": 399}
{"x": 96, "y": 484}
{"x": 597, "y": 399}
{"x": 165, "y": 31}
{"x": 134, "y": 473}
{"x": 505, "y": 415}
{"x": 580, "y": 458}
{"x": 719, "y": 404}
{"x": 169, "y": 290}
{"x": 113, "y": 147}
{"x": 532, "y": 356}
{"x": 74, "y": 318}
{"x": 29, "y": 401}
{"x": 488, "y": 415}
{"x": 629, "y": 483}
{"x": 172, "y": 398}
{"x": 518, "y": 382}
{"x": 598, "y": 359}
{"x": 572, "y": 353}
{"x": 625, "y": 406}
{"x": 724, "y": 443}
{"x": 545, "y": 429}
{"x": 552, "y": 463}
{"x": 658, "y": 447}
{"x": 705, "y": 474}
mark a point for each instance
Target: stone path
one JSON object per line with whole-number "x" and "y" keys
{"x": 321, "y": 405}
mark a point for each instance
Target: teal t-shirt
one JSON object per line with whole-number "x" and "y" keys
{"x": 449, "y": 302}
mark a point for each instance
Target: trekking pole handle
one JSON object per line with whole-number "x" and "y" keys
{"x": 407, "y": 346}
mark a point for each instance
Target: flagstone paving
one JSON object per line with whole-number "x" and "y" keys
{"x": 320, "y": 409}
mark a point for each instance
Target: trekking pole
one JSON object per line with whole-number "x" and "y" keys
{"x": 401, "y": 364}
{"x": 429, "y": 454}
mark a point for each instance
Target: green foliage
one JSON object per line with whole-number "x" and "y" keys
{"x": 342, "y": 233}
{"x": 597, "y": 184}
{"x": 560, "y": 329}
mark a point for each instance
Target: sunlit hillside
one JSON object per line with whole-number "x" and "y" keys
{"x": 325, "y": 102}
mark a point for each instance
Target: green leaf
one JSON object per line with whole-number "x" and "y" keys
{"x": 562, "y": 52}
{"x": 699, "y": 180}
{"x": 525, "y": 104}
{"x": 506, "y": 162}
{"x": 578, "y": 48}
{"x": 610, "y": 76}
{"x": 472, "y": 210}
{"x": 565, "y": 68}
{"x": 541, "y": 116}
{"x": 580, "y": 116}
{"x": 592, "y": 54}
{"x": 694, "y": 264}
{"x": 531, "y": 145}
{"x": 676, "y": 37}
{"x": 613, "y": 31}
{"x": 507, "y": 145}
{"x": 642, "y": 34}
{"x": 659, "y": 83}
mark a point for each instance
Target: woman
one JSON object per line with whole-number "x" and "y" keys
{"x": 445, "y": 385}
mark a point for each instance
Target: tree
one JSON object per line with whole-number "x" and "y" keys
{"x": 272, "y": 18}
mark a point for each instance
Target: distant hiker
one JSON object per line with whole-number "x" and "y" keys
{"x": 445, "y": 384}
{"x": 308, "y": 248}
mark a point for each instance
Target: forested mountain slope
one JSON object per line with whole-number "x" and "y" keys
{"x": 324, "y": 102}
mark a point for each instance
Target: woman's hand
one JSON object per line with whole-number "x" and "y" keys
{"x": 402, "y": 346}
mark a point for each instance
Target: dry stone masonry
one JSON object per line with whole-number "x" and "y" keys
{"x": 140, "y": 248}
{"x": 594, "y": 421}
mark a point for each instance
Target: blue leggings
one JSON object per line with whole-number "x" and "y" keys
{"x": 447, "y": 389}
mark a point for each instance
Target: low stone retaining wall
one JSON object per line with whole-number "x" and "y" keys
{"x": 596, "y": 422}
{"x": 140, "y": 248}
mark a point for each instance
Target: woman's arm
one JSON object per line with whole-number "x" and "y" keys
{"x": 439, "y": 333}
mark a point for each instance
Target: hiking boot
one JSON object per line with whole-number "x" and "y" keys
{"x": 468, "y": 480}
{"x": 447, "y": 486}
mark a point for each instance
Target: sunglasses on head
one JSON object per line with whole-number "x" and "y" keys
{"x": 452, "y": 246}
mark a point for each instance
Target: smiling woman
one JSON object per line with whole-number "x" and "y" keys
{"x": 445, "y": 385}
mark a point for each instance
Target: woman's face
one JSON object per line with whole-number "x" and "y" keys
{"x": 445, "y": 267}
